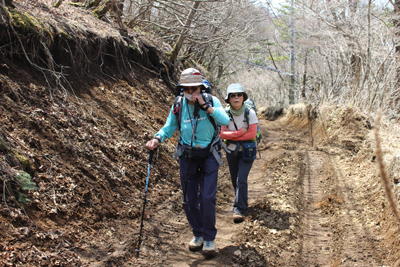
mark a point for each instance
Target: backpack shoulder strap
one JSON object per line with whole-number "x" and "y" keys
{"x": 216, "y": 143}
{"x": 177, "y": 109}
{"x": 208, "y": 98}
{"x": 227, "y": 110}
{"x": 247, "y": 116}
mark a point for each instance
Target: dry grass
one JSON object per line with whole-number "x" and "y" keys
{"x": 300, "y": 114}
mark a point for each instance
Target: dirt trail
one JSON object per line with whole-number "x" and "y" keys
{"x": 301, "y": 213}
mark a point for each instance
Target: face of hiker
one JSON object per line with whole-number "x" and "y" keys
{"x": 236, "y": 100}
{"x": 192, "y": 93}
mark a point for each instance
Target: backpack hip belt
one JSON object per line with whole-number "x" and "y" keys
{"x": 215, "y": 148}
{"x": 238, "y": 145}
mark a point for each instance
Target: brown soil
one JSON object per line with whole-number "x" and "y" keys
{"x": 315, "y": 195}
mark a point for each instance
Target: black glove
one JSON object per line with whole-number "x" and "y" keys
{"x": 205, "y": 106}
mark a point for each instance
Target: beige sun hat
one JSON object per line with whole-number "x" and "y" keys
{"x": 235, "y": 88}
{"x": 191, "y": 77}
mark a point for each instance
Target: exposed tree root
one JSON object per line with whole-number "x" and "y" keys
{"x": 62, "y": 50}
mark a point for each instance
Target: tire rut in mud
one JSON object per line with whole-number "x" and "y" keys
{"x": 354, "y": 244}
{"x": 317, "y": 237}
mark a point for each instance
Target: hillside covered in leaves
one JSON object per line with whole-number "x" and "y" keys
{"x": 79, "y": 99}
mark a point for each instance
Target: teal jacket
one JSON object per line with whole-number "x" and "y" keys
{"x": 205, "y": 129}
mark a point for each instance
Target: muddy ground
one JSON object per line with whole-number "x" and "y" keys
{"x": 315, "y": 193}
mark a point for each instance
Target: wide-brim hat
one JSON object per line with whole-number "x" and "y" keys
{"x": 190, "y": 77}
{"x": 235, "y": 88}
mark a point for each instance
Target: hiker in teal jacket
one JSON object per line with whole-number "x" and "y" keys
{"x": 199, "y": 155}
{"x": 205, "y": 129}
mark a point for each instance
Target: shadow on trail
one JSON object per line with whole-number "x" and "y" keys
{"x": 241, "y": 258}
{"x": 222, "y": 256}
{"x": 272, "y": 219}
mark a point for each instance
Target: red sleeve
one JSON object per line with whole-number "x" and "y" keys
{"x": 250, "y": 134}
{"x": 229, "y": 135}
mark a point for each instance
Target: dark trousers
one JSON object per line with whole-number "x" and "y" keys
{"x": 201, "y": 195}
{"x": 239, "y": 170}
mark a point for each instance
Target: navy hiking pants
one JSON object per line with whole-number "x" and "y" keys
{"x": 201, "y": 195}
{"x": 239, "y": 170}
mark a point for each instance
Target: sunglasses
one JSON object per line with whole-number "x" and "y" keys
{"x": 190, "y": 88}
{"x": 236, "y": 95}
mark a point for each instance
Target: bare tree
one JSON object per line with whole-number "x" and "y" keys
{"x": 344, "y": 48}
{"x": 348, "y": 46}
{"x": 203, "y": 31}
{"x": 182, "y": 36}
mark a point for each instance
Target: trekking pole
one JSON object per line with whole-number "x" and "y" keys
{"x": 194, "y": 128}
{"x": 187, "y": 179}
{"x": 144, "y": 201}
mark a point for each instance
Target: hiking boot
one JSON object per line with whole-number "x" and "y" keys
{"x": 238, "y": 217}
{"x": 208, "y": 248}
{"x": 196, "y": 243}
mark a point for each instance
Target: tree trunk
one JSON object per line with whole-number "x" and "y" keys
{"x": 103, "y": 9}
{"x": 148, "y": 13}
{"x": 9, "y": 3}
{"x": 395, "y": 99}
{"x": 303, "y": 91}
{"x": 220, "y": 71}
{"x": 58, "y": 3}
{"x": 93, "y": 3}
{"x": 117, "y": 9}
{"x": 182, "y": 36}
{"x": 2, "y": 8}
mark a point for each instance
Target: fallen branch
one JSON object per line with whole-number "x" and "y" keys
{"x": 58, "y": 3}
{"x": 384, "y": 176}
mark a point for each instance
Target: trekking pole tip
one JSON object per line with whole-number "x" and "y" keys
{"x": 137, "y": 253}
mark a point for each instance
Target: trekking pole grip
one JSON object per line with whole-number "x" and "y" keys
{"x": 151, "y": 156}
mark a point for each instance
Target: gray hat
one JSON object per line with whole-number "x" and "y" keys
{"x": 235, "y": 88}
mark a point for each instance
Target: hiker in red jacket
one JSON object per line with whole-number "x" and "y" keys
{"x": 240, "y": 138}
